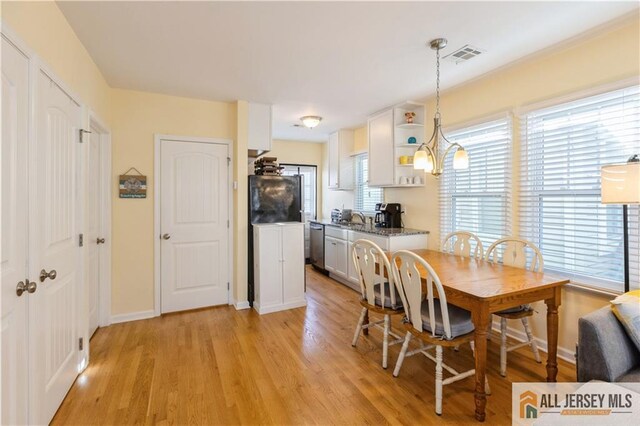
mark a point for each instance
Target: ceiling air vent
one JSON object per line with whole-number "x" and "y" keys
{"x": 464, "y": 54}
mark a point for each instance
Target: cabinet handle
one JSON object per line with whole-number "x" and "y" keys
{"x": 29, "y": 287}
{"x": 51, "y": 275}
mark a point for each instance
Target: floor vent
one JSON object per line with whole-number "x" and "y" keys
{"x": 464, "y": 54}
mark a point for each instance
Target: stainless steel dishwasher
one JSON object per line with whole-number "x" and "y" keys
{"x": 317, "y": 245}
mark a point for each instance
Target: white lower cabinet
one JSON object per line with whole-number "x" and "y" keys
{"x": 279, "y": 266}
{"x": 339, "y": 246}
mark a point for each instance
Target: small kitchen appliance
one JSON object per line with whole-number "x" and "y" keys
{"x": 388, "y": 215}
{"x": 336, "y": 216}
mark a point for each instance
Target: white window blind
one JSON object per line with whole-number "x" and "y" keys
{"x": 562, "y": 150}
{"x": 366, "y": 198}
{"x": 478, "y": 199}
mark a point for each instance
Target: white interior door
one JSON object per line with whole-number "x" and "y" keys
{"x": 194, "y": 224}
{"x": 93, "y": 238}
{"x": 13, "y": 251}
{"x": 54, "y": 235}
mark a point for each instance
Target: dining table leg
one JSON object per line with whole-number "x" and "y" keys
{"x": 481, "y": 318}
{"x": 552, "y": 334}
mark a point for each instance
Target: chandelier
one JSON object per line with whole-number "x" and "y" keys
{"x": 428, "y": 157}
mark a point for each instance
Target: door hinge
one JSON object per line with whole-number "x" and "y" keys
{"x": 82, "y": 132}
{"x": 227, "y": 223}
{"x": 228, "y": 160}
{"x": 80, "y": 343}
{"x": 81, "y": 240}
{"x": 227, "y": 286}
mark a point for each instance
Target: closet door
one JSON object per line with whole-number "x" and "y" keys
{"x": 54, "y": 247}
{"x": 13, "y": 251}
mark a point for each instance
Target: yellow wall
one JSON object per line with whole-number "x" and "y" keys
{"x": 608, "y": 56}
{"x": 298, "y": 152}
{"x": 137, "y": 116}
{"x": 43, "y": 27}
{"x": 133, "y": 118}
{"x": 360, "y": 142}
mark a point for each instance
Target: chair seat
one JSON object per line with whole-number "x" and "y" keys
{"x": 459, "y": 319}
{"x": 515, "y": 310}
{"x": 387, "y": 297}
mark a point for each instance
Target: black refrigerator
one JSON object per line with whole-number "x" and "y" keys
{"x": 272, "y": 199}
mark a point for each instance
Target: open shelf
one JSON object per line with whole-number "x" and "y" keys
{"x": 408, "y": 145}
{"x": 409, "y": 125}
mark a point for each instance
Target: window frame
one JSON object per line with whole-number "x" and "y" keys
{"x": 532, "y": 188}
{"x": 502, "y": 122}
{"x": 315, "y": 190}
{"x": 360, "y": 186}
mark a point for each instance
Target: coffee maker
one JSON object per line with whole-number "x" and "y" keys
{"x": 388, "y": 215}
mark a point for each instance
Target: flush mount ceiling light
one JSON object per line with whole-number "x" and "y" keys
{"x": 310, "y": 121}
{"x": 428, "y": 157}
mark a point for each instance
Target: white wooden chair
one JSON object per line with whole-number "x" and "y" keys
{"x": 515, "y": 254}
{"x": 430, "y": 319}
{"x": 460, "y": 243}
{"x": 379, "y": 293}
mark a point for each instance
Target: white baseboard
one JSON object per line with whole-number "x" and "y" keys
{"x": 241, "y": 305}
{"x": 519, "y": 335}
{"x": 133, "y": 316}
{"x": 280, "y": 307}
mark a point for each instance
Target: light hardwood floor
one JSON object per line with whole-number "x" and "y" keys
{"x": 222, "y": 366}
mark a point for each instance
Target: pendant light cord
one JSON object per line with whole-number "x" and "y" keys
{"x": 438, "y": 82}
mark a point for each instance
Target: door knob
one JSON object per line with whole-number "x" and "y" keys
{"x": 166, "y": 236}
{"x": 51, "y": 275}
{"x": 29, "y": 287}
{"x": 21, "y": 288}
{"x": 99, "y": 240}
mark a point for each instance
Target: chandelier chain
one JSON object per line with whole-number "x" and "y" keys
{"x": 438, "y": 82}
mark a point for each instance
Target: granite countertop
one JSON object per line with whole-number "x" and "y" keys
{"x": 385, "y": 232}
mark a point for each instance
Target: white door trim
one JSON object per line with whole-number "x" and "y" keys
{"x": 104, "y": 317}
{"x": 156, "y": 211}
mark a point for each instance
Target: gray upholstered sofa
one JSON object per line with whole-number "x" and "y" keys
{"x": 604, "y": 351}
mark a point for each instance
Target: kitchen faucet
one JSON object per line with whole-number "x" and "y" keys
{"x": 360, "y": 215}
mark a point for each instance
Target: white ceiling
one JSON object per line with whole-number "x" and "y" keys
{"x": 342, "y": 61}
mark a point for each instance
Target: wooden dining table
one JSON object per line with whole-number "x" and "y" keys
{"x": 484, "y": 288}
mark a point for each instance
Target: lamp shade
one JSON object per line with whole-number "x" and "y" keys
{"x": 420, "y": 160}
{"x": 461, "y": 160}
{"x": 621, "y": 183}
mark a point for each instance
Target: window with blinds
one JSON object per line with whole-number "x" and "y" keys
{"x": 563, "y": 148}
{"x": 478, "y": 199}
{"x": 309, "y": 196}
{"x": 366, "y": 198}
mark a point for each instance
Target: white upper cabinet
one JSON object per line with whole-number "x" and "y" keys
{"x": 393, "y": 139}
{"x": 380, "y": 131}
{"x": 340, "y": 147}
{"x": 259, "y": 134}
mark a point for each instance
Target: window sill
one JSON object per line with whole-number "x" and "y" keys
{"x": 593, "y": 290}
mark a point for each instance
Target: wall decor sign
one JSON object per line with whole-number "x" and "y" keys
{"x": 132, "y": 186}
